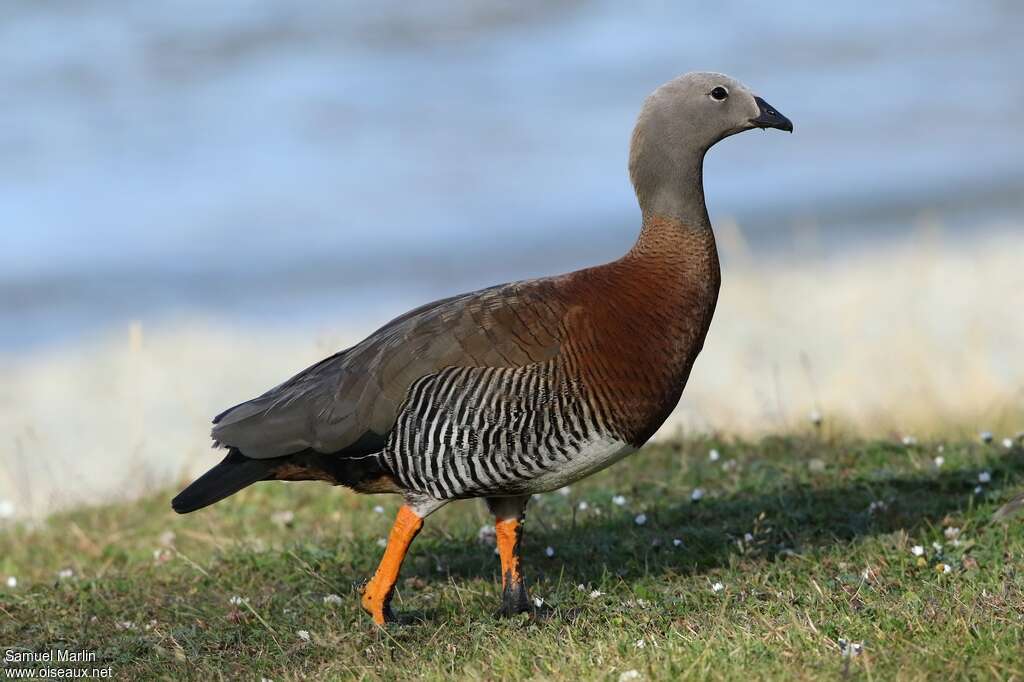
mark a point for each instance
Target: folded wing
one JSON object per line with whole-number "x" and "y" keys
{"x": 348, "y": 403}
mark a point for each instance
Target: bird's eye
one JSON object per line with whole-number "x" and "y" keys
{"x": 719, "y": 93}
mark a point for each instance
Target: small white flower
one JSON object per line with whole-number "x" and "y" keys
{"x": 676, "y": 542}
{"x": 565, "y": 491}
{"x": 917, "y": 550}
{"x": 12, "y": 582}
{"x": 332, "y": 599}
{"x": 581, "y": 588}
{"x": 951, "y": 533}
{"x": 978, "y": 490}
{"x": 697, "y": 495}
{"x": 487, "y": 535}
{"x": 236, "y": 601}
{"x": 538, "y": 602}
{"x": 713, "y": 455}
{"x": 583, "y": 506}
{"x": 877, "y": 506}
{"x": 382, "y": 542}
{"x": 549, "y": 551}
{"x": 640, "y": 644}
{"x": 594, "y": 594}
{"x": 640, "y": 519}
{"x": 629, "y": 675}
{"x": 1007, "y": 443}
{"x": 619, "y": 501}
{"x": 717, "y": 587}
{"x": 945, "y": 568}
{"x": 850, "y": 649}
{"x": 378, "y": 509}
{"x": 303, "y": 635}
{"x": 815, "y": 417}
{"x": 65, "y": 573}
{"x": 6, "y": 509}
{"x": 986, "y": 437}
{"x": 985, "y": 477}
{"x": 283, "y": 518}
{"x": 939, "y": 461}
{"x": 909, "y": 440}
{"x": 937, "y": 546}
{"x": 748, "y": 537}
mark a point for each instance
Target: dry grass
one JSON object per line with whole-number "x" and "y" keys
{"x": 923, "y": 339}
{"x": 920, "y": 338}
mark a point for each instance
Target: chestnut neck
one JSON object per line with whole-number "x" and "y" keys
{"x": 671, "y": 241}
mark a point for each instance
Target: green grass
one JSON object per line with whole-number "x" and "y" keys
{"x": 816, "y": 567}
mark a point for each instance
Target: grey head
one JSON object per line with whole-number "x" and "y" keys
{"x": 677, "y": 125}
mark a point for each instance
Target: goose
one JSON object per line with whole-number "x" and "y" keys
{"x": 519, "y": 388}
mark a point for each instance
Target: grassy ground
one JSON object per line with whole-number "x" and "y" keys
{"x": 809, "y": 542}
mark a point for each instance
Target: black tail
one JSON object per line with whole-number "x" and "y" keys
{"x": 235, "y": 472}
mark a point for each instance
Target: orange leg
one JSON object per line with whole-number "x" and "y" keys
{"x": 509, "y": 532}
{"x": 508, "y": 526}
{"x": 377, "y": 593}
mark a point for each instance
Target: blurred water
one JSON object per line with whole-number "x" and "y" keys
{"x": 275, "y": 161}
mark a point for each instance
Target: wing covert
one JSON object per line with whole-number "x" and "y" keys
{"x": 349, "y": 402}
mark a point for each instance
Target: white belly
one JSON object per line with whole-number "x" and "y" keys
{"x": 591, "y": 457}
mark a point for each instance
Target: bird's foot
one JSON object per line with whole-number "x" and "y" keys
{"x": 514, "y": 600}
{"x": 377, "y": 603}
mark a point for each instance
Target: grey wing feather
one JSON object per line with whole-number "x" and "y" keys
{"x": 351, "y": 399}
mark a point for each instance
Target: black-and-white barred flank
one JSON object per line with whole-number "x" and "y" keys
{"x": 470, "y": 431}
